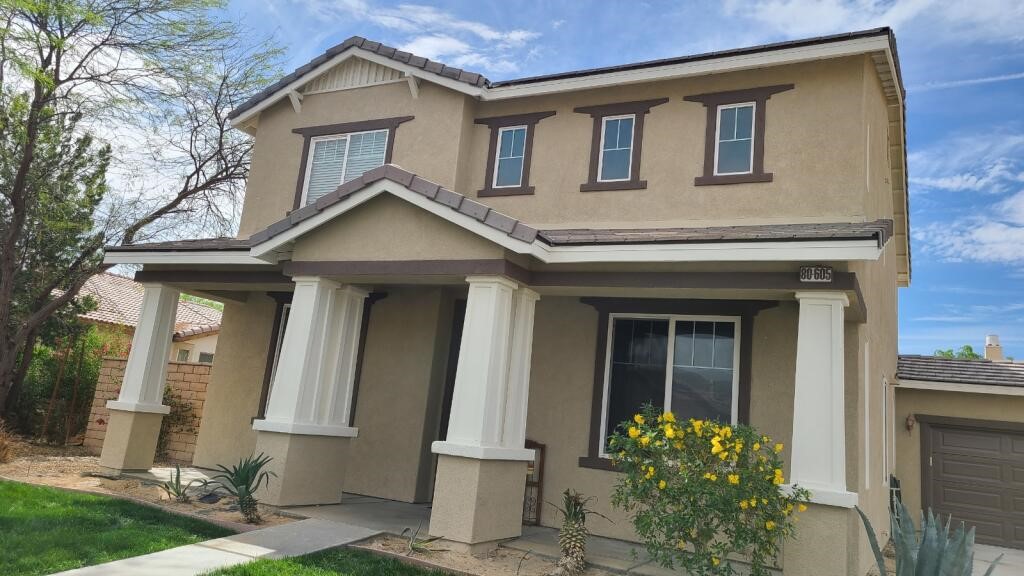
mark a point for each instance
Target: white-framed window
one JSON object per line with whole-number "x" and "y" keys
{"x": 336, "y": 159}
{"x": 183, "y": 354}
{"x": 286, "y": 309}
{"x": 510, "y": 157}
{"x": 686, "y": 364}
{"x": 616, "y": 159}
{"x": 734, "y": 139}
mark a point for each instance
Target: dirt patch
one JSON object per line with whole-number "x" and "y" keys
{"x": 501, "y": 562}
{"x": 72, "y": 467}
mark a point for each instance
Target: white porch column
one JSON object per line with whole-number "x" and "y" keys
{"x": 307, "y": 419}
{"x": 481, "y": 467}
{"x": 135, "y": 416}
{"x": 818, "y": 446}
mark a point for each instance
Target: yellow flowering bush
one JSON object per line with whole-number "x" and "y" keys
{"x": 701, "y": 491}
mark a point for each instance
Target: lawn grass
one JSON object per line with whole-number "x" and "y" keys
{"x": 45, "y": 530}
{"x": 333, "y": 562}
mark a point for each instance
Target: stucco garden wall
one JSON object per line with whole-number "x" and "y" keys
{"x": 188, "y": 384}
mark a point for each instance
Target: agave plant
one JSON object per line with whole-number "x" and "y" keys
{"x": 935, "y": 553}
{"x": 242, "y": 481}
{"x": 572, "y": 537}
{"x": 174, "y": 488}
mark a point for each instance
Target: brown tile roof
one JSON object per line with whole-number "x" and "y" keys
{"x": 119, "y": 301}
{"x": 937, "y": 369}
{"x": 471, "y": 78}
{"x": 879, "y": 230}
{"x": 426, "y": 188}
{"x": 478, "y": 80}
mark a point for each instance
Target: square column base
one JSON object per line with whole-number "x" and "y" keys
{"x": 130, "y": 442}
{"x": 478, "y": 501}
{"x": 310, "y": 469}
{"x": 826, "y": 542}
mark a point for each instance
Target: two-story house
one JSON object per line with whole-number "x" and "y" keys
{"x": 435, "y": 271}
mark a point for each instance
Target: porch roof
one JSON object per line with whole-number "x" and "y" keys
{"x": 957, "y": 371}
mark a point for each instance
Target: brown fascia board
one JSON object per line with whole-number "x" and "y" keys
{"x": 193, "y": 245}
{"x": 453, "y": 200}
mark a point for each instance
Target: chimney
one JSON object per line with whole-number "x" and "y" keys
{"x": 993, "y": 350}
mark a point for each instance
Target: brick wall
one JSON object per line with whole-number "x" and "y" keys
{"x": 188, "y": 384}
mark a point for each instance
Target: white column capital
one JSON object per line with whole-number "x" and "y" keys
{"x": 499, "y": 280}
{"x": 318, "y": 280}
{"x": 823, "y": 296}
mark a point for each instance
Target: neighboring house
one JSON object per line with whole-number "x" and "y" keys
{"x": 119, "y": 304}
{"x": 959, "y": 440}
{"x": 537, "y": 258}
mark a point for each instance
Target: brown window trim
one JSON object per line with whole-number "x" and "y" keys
{"x": 711, "y": 101}
{"x": 283, "y": 298}
{"x": 496, "y": 123}
{"x": 745, "y": 309}
{"x": 639, "y": 109}
{"x": 310, "y": 132}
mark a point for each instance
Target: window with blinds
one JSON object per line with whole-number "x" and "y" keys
{"x": 334, "y": 160}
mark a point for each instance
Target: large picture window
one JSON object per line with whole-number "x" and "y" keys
{"x": 686, "y": 364}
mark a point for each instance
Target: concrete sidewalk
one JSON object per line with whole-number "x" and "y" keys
{"x": 293, "y": 539}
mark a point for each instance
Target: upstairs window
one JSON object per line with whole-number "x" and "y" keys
{"x": 734, "y": 153}
{"x": 334, "y": 160}
{"x": 616, "y": 148}
{"x": 508, "y": 172}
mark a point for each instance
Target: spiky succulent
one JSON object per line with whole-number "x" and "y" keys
{"x": 572, "y": 537}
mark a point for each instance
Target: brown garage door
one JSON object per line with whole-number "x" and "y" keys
{"x": 976, "y": 474}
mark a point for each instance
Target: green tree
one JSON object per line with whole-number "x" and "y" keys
{"x": 965, "y": 352}
{"x": 154, "y": 78}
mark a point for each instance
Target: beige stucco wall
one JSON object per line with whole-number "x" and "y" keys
{"x": 562, "y": 379}
{"x": 935, "y": 403}
{"x": 389, "y": 228}
{"x": 816, "y": 145}
{"x": 236, "y": 379}
{"x": 195, "y": 346}
{"x": 428, "y": 145}
{"x": 399, "y": 391}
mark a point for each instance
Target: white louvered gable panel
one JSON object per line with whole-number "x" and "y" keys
{"x": 352, "y": 73}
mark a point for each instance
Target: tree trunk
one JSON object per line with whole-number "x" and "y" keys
{"x": 56, "y": 386}
{"x": 71, "y": 416}
{"x": 20, "y": 373}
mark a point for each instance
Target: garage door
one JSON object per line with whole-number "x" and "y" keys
{"x": 976, "y": 474}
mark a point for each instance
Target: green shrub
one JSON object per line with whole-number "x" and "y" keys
{"x": 700, "y": 492}
{"x": 242, "y": 481}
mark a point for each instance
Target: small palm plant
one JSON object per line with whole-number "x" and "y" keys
{"x": 242, "y": 481}
{"x": 174, "y": 488}
{"x": 572, "y": 537}
{"x": 934, "y": 553}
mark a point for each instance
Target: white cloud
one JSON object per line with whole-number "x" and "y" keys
{"x": 991, "y": 161}
{"x": 979, "y": 238}
{"x": 436, "y": 34}
{"x": 943, "y": 84}
{"x": 947, "y": 21}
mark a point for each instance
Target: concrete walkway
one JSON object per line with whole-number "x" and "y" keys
{"x": 1011, "y": 564}
{"x": 293, "y": 539}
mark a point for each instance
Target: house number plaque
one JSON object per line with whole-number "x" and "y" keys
{"x": 816, "y": 273}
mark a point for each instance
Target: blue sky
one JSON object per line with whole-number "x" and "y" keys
{"x": 963, "y": 66}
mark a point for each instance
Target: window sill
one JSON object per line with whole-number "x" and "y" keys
{"x": 597, "y": 463}
{"x": 732, "y": 179}
{"x": 509, "y": 191}
{"x": 613, "y": 186}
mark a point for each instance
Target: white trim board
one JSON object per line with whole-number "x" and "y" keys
{"x": 224, "y": 257}
{"x": 957, "y": 387}
{"x": 837, "y": 49}
{"x": 817, "y": 250}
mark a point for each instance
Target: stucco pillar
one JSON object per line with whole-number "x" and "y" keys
{"x": 135, "y": 416}
{"x": 307, "y": 426}
{"x": 481, "y": 466}
{"x": 818, "y": 446}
